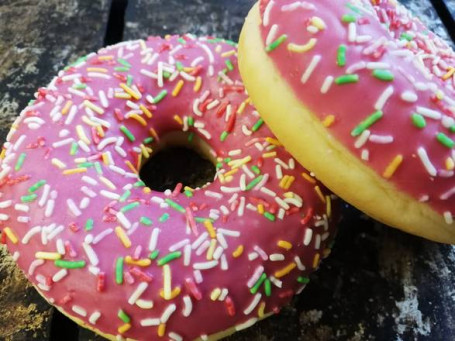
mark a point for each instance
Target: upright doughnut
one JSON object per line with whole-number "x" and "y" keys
{"x": 129, "y": 262}
{"x": 362, "y": 94}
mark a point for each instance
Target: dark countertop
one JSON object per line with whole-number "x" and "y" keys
{"x": 378, "y": 284}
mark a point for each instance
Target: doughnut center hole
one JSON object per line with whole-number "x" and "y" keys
{"x": 178, "y": 158}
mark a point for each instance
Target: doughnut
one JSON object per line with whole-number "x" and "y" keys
{"x": 132, "y": 263}
{"x": 362, "y": 94}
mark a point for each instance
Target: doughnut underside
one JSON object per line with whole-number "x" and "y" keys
{"x": 312, "y": 144}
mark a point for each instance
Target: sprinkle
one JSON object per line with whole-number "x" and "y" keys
{"x": 139, "y": 119}
{"x": 303, "y": 48}
{"x": 175, "y": 206}
{"x": 382, "y": 100}
{"x": 393, "y": 166}
{"x": 253, "y": 304}
{"x": 93, "y": 107}
{"x": 123, "y": 237}
{"x": 383, "y": 75}
{"x": 253, "y": 183}
{"x": 11, "y": 235}
{"x": 258, "y": 283}
{"x": 418, "y": 121}
{"x": 429, "y": 113}
{"x": 310, "y": 69}
{"x": 327, "y": 84}
{"x": 445, "y": 140}
{"x": 284, "y": 244}
{"x": 276, "y": 43}
{"x": 448, "y": 218}
{"x": 20, "y": 161}
{"x": 348, "y": 18}
{"x": 79, "y": 310}
{"x": 124, "y": 328}
{"x": 119, "y": 270}
{"x": 74, "y": 171}
{"x": 426, "y": 161}
{"x": 160, "y": 97}
{"x": 341, "y": 55}
{"x": 178, "y": 88}
{"x": 169, "y": 257}
{"x": 328, "y": 121}
{"x": 127, "y": 133}
{"x": 69, "y": 264}
{"x": 145, "y": 111}
{"x": 367, "y": 123}
{"x": 130, "y": 91}
{"x": 346, "y": 79}
{"x": 286, "y": 270}
{"x": 303, "y": 280}
{"x": 123, "y": 316}
{"x": 29, "y": 198}
{"x": 269, "y": 216}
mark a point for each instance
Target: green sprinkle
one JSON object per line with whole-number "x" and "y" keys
{"x": 268, "y": 288}
{"x": 348, "y": 18}
{"x": 445, "y": 140}
{"x": 175, "y": 206}
{"x": 154, "y": 255}
{"x": 37, "y": 186}
{"x": 129, "y": 207}
{"x": 224, "y": 136}
{"x": 189, "y": 194}
{"x": 123, "y": 316}
{"x": 347, "y": 79}
{"x": 406, "y": 36}
{"x": 190, "y": 121}
{"x": 452, "y": 129}
{"x": 254, "y": 182}
{"x": 139, "y": 184}
{"x": 98, "y": 168}
{"x": 89, "y": 225}
{"x": 160, "y": 97}
{"x": 179, "y": 66}
{"x": 119, "y": 270}
{"x": 227, "y": 160}
{"x": 258, "y": 125}
{"x": 341, "y": 55}
{"x": 256, "y": 169}
{"x": 169, "y": 257}
{"x": 353, "y": 8}
{"x": 303, "y": 280}
{"x": 190, "y": 137}
{"x": 383, "y": 75}
{"x": 20, "y": 162}
{"x": 269, "y": 216}
{"x": 419, "y": 121}
{"x": 167, "y": 75}
{"x": 164, "y": 217}
{"x": 29, "y": 198}
{"x": 85, "y": 165}
{"x": 146, "y": 221}
{"x": 67, "y": 264}
{"x": 79, "y": 86}
{"x": 276, "y": 43}
{"x": 124, "y": 62}
{"x": 148, "y": 140}
{"x": 219, "y": 165}
{"x": 74, "y": 148}
{"x": 229, "y": 65}
{"x": 202, "y": 220}
{"x": 122, "y": 69}
{"x": 259, "y": 282}
{"x": 127, "y": 133}
{"x": 368, "y": 122}
{"x": 181, "y": 41}
{"x": 129, "y": 80}
{"x": 125, "y": 196}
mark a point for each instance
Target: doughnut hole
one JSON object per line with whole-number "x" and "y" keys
{"x": 178, "y": 158}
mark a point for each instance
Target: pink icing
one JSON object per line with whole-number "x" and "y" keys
{"x": 85, "y": 216}
{"x": 422, "y": 66}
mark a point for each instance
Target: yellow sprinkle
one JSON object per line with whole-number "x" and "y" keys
{"x": 57, "y": 163}
{"x": 107, "y": 182}
{"x": 130, "y": 91}
{"x": 269, "y": 155}
{"x": 393, "y": 166}
{"x": 123, "y": 237}
{"x": 273, "y": 141}
{"x": 93, "y": 107}
{"x": 238, "y": 251}
{"x": 122, "y": 95}
{"x": 289, "y": 182}
{"x": 209, "y": 226}
{"x": 74, "y": 171}
{"x": 228, "y": 54}
{"x": 328, "y": 205}
{"x": 2, "y": 154}
{"x": 106, "y": 57}
{"x": 161, "y": 329}
{"x": 48, "y": 255}
{"x": 218, "y": 49}
{"x": 211, "y": 249}
{"x": 283, "y": 181}
{"x": 105, "y": 159}
{"x": 124, "y": 328}
{"x": 178, "y": 88}
{"x": 242, "y": 107}
{"x": 139, "y": 161}
{"x": 440, "y": 95}
{"x": 130, "y": 166}
{"x": 197, "y": 84}
{"x": 188, "y": 69}
{"x": 174, "y": 293}
{"x": 145, "y": 111}
{"x": 319, "y": 193}
{"x": 286, "y": 270}
{"x": 89, "y": 122}
{"x": 100, "y": 131}
{"x": 11, "y": 235}
{"x": 261, "y": 309}
{"x": 187, "y": 188}
{"x": 97, "y": 69}
{"x": 308, "y": 178}
{"x": 239, "y": 162}
{"x": 318, "y": 22}
{"x": 231, "y": 172}
{"x": 326, "y": 252}
{"x": 145, "y": 151}
{"x": 316, "y": 260}
{"x": 154, "y": 134}
{"x": 285, "y": 245}
{"x": 146, "y": 190}
{"x": 302, "y": 48}
{"x": 261, "y": 209}
{"x": 167, "y": 282}
{"x": 143, "y": 44}
{"x": 328, "y": 121}
{"x": 139, "y": 262}
{"x": 449, "y": 74}
{"x": 67, "y": 107}
{"x": 450, "y": 164}
{"x": 139, "y": 119}
{"x": 215, "y": 294}
{"x": 178, "y": 119}
{"x": 81, "y": 133}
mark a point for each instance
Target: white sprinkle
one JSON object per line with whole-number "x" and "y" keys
{"x": 167, "y": 313}
{"x": 188, "y": 306}
{"x": 429, "y": 113}
{"x": 109, "y": 195}
{"x": 209, "y": 52}
{"x": 229, "y": 233}
{"x": 123, "y": 220}
{"x": 205, "y": 245}
{"x": 282, "y": 203}
{"x": 268, "y": 9}
{"x": 150, "y": 322}
{"x": 30, "y": 233}
{"x": 448, "y": 218}
{"x": 62, "y": 143}
{"x": 281, "y": 213}
{"x": 378, "y": 65}
{"x": 310, "y": 69}
{"x": 426, "y": 161}
{"x": 317, "y": 242}
{"x": 448, "y": 194}
{"x": 21, "y": 207}
{"x": 276, "y": 281}
{"x": 179, "y": 245}
{"x": 144, "y": 304}
{"x": 187, "y": 255}
{"x": 253, "y": 304}
{"x": 154, "y": 239}
{"x": 87, "y": 191}
{"x": 365, "y": 155}
{"x": 94, "y": 317}
{"x": 299, "y": 263}
{"x": 89, "y": 180}
{"x": 267, "y": 191}
{"x": 381, "y": 139}
{"x": 308, "y": 236}
{"x": 246, "y": 324}
{"x": 79, "y": 310}
{"x": 101, "y": 236}
{"x": 84, "y": 203}
{"x": 382, "y": 100}
{"x": 58, "y": 276}
{"x": 6, "y": 203}
{"x": 138, "y": 292}
{"x": 199, "y": 240}
{"x": 91, "y": 255}
{"x": 175, "y": 337}
{"x": 224, "y": 263}
{"x": 205, "y": 265}
{"x": 276, "y": 257}
{"x": 72, "y": 207}
{"x": 60, "y": 246}
{"x": 241, "y": 208}
{"x": 255, "y": 277}
{"x": 352, "y": 32}
{"x": 34, "y": 265}
{"x": 4, "y": 217}
{"x": 214, "y": 195}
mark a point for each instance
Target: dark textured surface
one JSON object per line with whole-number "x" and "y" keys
{"x": 378, "y": 284}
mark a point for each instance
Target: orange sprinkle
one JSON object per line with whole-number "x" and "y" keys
{"x": 285, "y": 245}
{"x": 107, "y": 57}
{"x": 74, "y": 171}
{"x": 393, "y": 166}
{"x": 123, "y": 237}
{"x": 449, "y": 74}
{"x": 100, "y": 131}
{"x": 130, "y": 166}
{"x": 238, "y": 251}
{"x": 197, "y": 84}
{"x": 124, "y": 328}
{"x": 145, "y": 111}
{"x": 139, "y": 161}
{"x": 328, "y": 121}
{"x": 319, "y": 193}
{"x": 178, "y": 119}
{"x": 261, "y": 209}
{"x": 154, "y": 134}
{"x": 105, "y": 158}
{"x": 178, "y": 88}
{"x": 161, "y": 329}
{"x": 173, "y": 294}
{"x": 316, "y": 260}
{"x": 139, "y": 119}
{"x": 130, "y": 91}
{"x": 11, "y": 235}
{"x": 209, "y": 226}
{"x": 146, "y": 190}
{"x": 286, "y": 270}
{"x": 67, "y": 107}
{"x": 139, "y": 262}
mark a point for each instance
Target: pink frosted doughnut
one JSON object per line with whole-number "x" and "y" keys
{"x": 369, "y": 95}
{"x": 132, "y": 263}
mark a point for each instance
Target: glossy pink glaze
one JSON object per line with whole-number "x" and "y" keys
{"x": 350, "y": 104}
{"x": 62, "y": 231}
